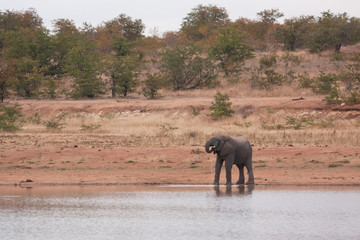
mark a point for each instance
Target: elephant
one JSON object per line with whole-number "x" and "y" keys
{"x": 233, "y": 150}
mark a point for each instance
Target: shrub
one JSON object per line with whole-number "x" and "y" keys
{"x": 195, "y": 110}
{"x": 272, "y": 78}
{"x": 305, "y": 81}
{"x": 353, "y": 98}
{"x": 90, "y": 127}
{"x": 55, "y": 122}
{"x": 50, "y": 89}
{"x": 152, "y": 84}
{"x": 268, "y": 61}
{"x": 327, "y": 84}
{"x": 221, "y": 108}
{"x": 324, "y": 83}
{"x": 265, "y": 76}
{"x": 10, "y": 118}
{"x": 329, "y": 122}
{"x": 334, "y": 95}
{"x": 291, "y": 123}
{"x": 35, "y": 119}
{"x": 298, "y": 123}
{"x": 266, "y": 79}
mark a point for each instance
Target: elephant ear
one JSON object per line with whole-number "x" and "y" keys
{"x": 219, "y": 145}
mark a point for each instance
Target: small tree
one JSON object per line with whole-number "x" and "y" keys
{"x": 65, "y": 37}
{"x": 122, "y": 67}
{"x": 266, "y": 25}
{"x": 6, "y": 77}
{"x": 123, "y": 71}
{"x": 186, "y": 68}
{"x": 10, "y": 118}
{"x": 221, "y": 108}
{"x": 202, "y": 21}
{"x": 265, "y": 76}
{"x": 269, "y": 17}
{"x": 231, "y": 50}
{"x": 351, "y": 78}
{"x": 290, "y": 61}
{"x": 294, "y": 32}
{"x": 84, "y": 65}
{"x": 50, "y": 87}
{"x": 153, "y": 83}
{"x": 29, "y": 77}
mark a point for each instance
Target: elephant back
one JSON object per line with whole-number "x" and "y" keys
{"x": 241, "y": 139}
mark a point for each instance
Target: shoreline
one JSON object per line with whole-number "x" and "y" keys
{"x": 26, "y": 185}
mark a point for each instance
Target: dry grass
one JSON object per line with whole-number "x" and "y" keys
{"x": 264, "y": 127}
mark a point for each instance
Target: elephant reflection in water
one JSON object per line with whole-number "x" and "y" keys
{"x": 242, "y": 190}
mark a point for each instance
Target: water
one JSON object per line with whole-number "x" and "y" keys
{"x": 173, "y": 212}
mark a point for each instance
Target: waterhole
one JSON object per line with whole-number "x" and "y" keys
{"x": 179, "y": 212}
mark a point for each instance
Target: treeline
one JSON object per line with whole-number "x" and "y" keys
{"x": 115, "y": 57}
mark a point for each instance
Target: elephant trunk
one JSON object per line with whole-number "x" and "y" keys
{"x": 207, "y": 146}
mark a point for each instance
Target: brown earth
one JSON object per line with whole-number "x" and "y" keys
{"x": 71, "y": 158}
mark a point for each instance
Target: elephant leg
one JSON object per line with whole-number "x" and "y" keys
{"x": 250, "y": 172}
{"x": 241, "y": 174}
{"x": 218, "y": 165}
{"x": 229, "y": 162}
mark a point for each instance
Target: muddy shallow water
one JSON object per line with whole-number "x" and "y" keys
{"x": 179, "y": 212}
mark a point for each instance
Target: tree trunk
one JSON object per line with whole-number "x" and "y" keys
{"x": 337, "y": 47}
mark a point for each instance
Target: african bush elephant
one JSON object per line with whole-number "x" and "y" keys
{"x": 233, "y": 150}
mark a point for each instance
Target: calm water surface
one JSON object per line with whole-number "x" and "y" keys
{"x": 174, "y": 212}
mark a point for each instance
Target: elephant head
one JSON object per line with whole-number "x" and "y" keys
{"x": 215, "y": 144}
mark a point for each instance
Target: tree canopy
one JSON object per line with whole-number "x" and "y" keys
{"x": 115, "y": 57}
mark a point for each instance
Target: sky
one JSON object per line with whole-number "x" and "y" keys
{"x": 160, "y": 16}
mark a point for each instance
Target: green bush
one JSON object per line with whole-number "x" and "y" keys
{"x": 273, "y": 78}
{"x": 268, "y": 61}
{"x": 334, "y": 95}
{"x": 353, "y": 98}
{"x": 305, "y": 81}
{"x": 221, "y": 108}
{"x": 324, "y": 83}
{"x": 327, "y": 84}
{"x": 266, "y": 79}
{"x": 265, "y": 76}
{"x": 10, "y": 118}
{"x": 152, "y": 84}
